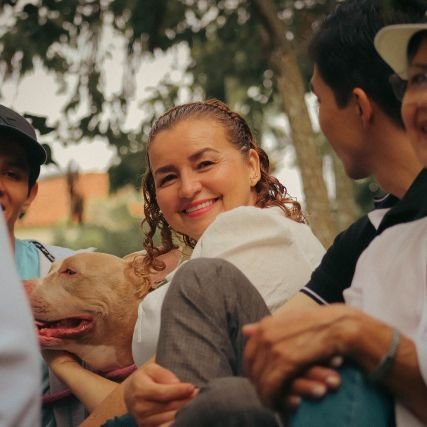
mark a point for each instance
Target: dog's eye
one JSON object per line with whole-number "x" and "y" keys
{"x": 68, "y": 271}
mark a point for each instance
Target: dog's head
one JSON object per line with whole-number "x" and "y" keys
{"x": 87, "y": 305}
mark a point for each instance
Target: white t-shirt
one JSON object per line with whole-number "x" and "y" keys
{"x": 390, "y": 283}
{"x": 20, "y": 373}
{"x": 275, "y": 253}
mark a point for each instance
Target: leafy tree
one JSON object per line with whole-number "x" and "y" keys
{"x": 250, "y": 53}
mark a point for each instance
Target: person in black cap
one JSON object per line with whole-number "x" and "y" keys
{"x": 21, "y": 157}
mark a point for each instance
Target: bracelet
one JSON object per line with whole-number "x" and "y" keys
{"x": 384, "y": 366}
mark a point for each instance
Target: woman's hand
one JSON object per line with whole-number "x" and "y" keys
{"x": 154, "y": 394}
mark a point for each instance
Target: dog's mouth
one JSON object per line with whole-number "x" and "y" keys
{"x": 70, "y": 327}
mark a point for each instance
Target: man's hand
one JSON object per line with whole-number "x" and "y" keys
{"x": 154, "y": 395}
{"x": 315, "y": 383}
{"x": 282, "y": 348}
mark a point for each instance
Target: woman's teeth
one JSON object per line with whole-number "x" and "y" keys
{"x": 200, "y": 206}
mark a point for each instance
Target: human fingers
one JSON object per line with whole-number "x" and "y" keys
{"x": 250, "y": 329}
{"x": 144, "y": 397}
{"x": 255, "y": 348}
{"x": 159, "y": 374}
{"x": 153, "y": 398}
{"x": 292, "y": 401}
{"x": 155, "y": 414}
{"x": 155, "y": 383}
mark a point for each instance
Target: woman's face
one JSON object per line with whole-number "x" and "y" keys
{"x": 414, "y": 104}
{"x": 198, "y": 174}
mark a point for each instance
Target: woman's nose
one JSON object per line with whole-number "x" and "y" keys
{"x": 189, "y": 186}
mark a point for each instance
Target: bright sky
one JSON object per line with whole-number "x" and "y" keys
{"x": 37, "y": 94}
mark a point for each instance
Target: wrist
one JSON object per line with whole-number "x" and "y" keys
{"x": 368, "y": 341}
{"x": 385, "y": 365}
{"x": 347, "y": 331}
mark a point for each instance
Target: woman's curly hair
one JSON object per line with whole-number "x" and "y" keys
{"x": 270, "y": 192}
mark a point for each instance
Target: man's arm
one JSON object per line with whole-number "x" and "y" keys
{"x": 282, "y": 347}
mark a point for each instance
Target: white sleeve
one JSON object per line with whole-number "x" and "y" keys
{"x": 20, "y": 369}
{"x": 421, "y": 338}
{"x": 275, "y": 253}
{"x": 147, "y": 327}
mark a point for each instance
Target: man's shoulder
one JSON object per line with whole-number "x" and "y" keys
{"x": 413, "y": 205}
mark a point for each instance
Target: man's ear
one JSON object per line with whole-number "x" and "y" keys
{"x": 363, "y": 105}
{"x": 31, "y": 196}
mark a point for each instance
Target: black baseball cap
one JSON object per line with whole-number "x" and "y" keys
{"x": 14, "y": 125}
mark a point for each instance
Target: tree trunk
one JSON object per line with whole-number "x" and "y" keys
{"x": 291, "y": 88}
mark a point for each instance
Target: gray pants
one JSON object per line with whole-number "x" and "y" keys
{"x": 201, "y": 341}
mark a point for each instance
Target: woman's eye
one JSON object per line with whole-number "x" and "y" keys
{"x": 417, "y": 80}
{"x": 204, "y": 164}
{"x": 166, "y": 179}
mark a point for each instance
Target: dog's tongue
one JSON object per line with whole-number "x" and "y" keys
{"x": 64, "y": 328}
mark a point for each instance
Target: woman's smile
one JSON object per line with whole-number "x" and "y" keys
{"x": 199, "y": 207}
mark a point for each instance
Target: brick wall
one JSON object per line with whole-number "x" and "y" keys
{"x": 52, "y": 204}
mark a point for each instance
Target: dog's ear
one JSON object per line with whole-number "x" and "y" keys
{"x": 146, "y": 280}
{"x": 138, "y": 265}
{"x": 136, "y": 271}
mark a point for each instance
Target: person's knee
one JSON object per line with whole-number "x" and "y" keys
{"x": 207, "y": 275}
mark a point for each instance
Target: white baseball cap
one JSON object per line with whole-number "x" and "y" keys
{"x": 392, "y": 42}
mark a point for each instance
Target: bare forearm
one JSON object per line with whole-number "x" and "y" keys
{"x": 91, "y": 389}
{"x": 369, "y": 342}
{"x": 112, "y": 406}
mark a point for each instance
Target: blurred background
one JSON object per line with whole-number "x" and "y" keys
{"x": 93, "y": 75}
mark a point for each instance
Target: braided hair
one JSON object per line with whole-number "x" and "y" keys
{"x": 269, "y": 191}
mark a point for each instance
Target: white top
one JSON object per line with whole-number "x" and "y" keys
{"x": 20, "y": 373}
{"x": 275, "y": 253}
{"x": 390, "y": 284}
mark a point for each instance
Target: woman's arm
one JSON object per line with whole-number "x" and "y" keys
{"x": 112, "y": 406}
{"x": 90, "y": 388}
{"x": 153, "y": 395}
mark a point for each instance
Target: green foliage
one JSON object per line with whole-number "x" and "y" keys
{"x": 128, "y": 171}
{"x": 115, "y": 231}
{"x": 116, "y": 242}
{"x": 229, "y": 48}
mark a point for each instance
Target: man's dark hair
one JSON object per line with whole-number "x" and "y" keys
{"x": 33, "y": 175}
{"x": 344, "y": 53}
{"x": 415, "y": 43}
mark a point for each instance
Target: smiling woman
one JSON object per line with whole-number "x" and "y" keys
{"x": 202, "y": 161}
{"x": 208, "y": 185}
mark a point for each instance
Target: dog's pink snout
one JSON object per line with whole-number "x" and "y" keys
{"x": 28, "y": 286}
